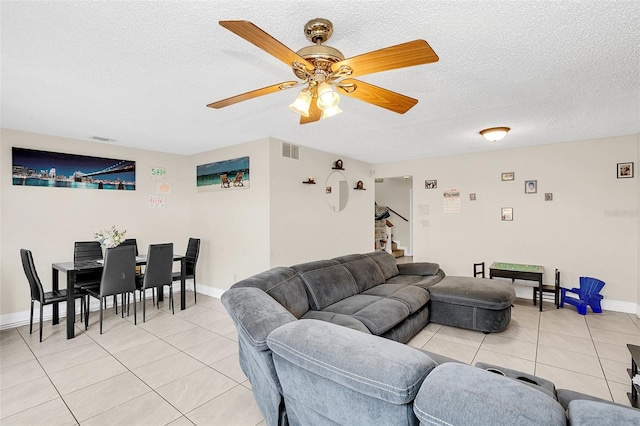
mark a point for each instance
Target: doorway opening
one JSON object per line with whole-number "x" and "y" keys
{"x": 394, "y": 216}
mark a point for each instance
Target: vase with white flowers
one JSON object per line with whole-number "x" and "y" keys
{"x": 110, "y": 238}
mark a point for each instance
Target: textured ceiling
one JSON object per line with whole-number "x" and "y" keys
{"x": 142, "y": 73}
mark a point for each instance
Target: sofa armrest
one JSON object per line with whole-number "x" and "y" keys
{"x": 340, "y": 357}
{"x": 461, "y": 394}
{"x": 418, "y": 268}
{"x": 255, "y": 313}
{"x": 591, "y": 413}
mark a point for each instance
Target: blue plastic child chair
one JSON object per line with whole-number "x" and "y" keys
{"x": 588, "y": 294}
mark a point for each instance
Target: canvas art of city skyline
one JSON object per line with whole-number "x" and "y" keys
{"x": 54, "y": 169}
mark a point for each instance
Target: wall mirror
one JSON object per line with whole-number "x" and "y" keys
{"x": 337, "y": 191}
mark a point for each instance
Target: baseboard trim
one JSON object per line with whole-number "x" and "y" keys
{"x": 526, "y": 292}
{"x": 19, "y": 319}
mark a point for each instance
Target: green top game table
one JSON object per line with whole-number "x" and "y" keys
{"x": 518, "y": 271}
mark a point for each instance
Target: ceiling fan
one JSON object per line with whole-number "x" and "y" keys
{"x": 321, "y": 69}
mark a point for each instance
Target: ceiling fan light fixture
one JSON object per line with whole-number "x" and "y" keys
{"x": 494, "y": 134}
{"x": 330, "y": 112}
{"x": 302, "y": 103}
{"x": 327, "y": 98}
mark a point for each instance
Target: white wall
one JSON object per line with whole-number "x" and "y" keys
{"x": 48, "y": 221}
{"x": 303, "y": 226}
{"x": 590, "y": 228}
{"x": 276, "y": 220}
{"x": 394, "y": 192}
{"x": 233, "y": 225}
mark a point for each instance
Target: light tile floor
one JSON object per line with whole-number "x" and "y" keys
{"x": 183, "y": 369}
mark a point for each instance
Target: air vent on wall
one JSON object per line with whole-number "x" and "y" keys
{"x": 290, "y": 150}
{"x": 102, "y": 139}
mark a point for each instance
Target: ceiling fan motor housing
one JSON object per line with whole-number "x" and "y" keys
{"x": 322, "y": 57}
{"x": 318, "y": 30}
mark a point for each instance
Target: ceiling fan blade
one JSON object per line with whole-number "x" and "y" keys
{"x": 264, "y": 41}
{"x": 253, "y": 94}
{"x": 378, "y": 96}
{"x": 408, "y": 54}
{"x": 314, "y": 113}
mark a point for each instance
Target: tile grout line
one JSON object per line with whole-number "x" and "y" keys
{"x": 183, "y": 414}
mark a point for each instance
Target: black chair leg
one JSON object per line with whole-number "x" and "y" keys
{"x": 144, "y": 305}
{"x": 173, "y": 311}
{"x": 195, "y": 293}
{"x": 101, "y": 313}
{"x": 41, "y": 322}
{"x": 31, "y": 320}
{"x": 135, "y": 310}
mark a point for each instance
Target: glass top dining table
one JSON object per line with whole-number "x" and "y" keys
{"x": 72, "y": 268}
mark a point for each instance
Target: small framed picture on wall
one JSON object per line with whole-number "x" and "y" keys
{"x": 625, "y": 170}
{"x": 530, "y": 186}
{"x": 507, "y": 176}
{"x": 507, "y": 213}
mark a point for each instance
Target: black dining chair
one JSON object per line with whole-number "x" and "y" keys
{"x": 157, "y": 274}
{"x": 118, "y": 277}
{"x": 130, "y": 242}
{"x": 191, "y": 259}
{"x": 38, "y": 293}
{"x": 86, "y": 251}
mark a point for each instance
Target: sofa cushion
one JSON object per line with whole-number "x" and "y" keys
{"x": 414, "y": 297}
{"x": 417, "y": 280}
{"x": 583, "y": 412}
{"x": 327, "y": 282}
{"x": 458, "y": 394}
{"x": 419, "y": 268}
{"x": 363, "y": 269}
{"x": 386, "y": 263}
{"x": 339, "y": 319}
{"x": 475, "y": 292}
{"x": 379, "y": 314}
{"x": 284, "y": 285}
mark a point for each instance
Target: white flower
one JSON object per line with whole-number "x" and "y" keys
{"x": 111, "y": 237}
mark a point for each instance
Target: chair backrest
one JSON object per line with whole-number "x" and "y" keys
{"x": 37, "y": 293}
{"x": 159, "y": 265}
{"x": 557, "y": 278}
{"x": 191, "y": 257}
{"x": 119, "y": 272}
{"x": 590, "y": 286}
{"x": 130, "y": 242}
{"x": 87, "y": 250}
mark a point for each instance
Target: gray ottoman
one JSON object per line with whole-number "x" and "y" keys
{"x": 472, "y": 303}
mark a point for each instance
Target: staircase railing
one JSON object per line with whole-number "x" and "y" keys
{"x": 398, "y": 214}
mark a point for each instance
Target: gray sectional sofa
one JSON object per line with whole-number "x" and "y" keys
{"x": 369, "y": 293}
{"x": 331, "y": 375}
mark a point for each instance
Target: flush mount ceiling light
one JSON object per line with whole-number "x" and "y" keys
{"x": 494, "y": 134}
